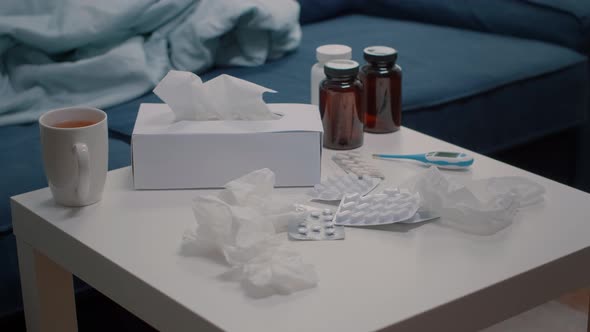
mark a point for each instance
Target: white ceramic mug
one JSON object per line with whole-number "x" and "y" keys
{"x": 75, "y": 154}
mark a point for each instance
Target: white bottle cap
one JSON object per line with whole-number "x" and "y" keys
{"x": 329, "y": 52}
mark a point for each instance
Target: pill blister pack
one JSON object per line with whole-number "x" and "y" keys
{"x": 390, "y": 207}
{"x": 353, "y": 162}
{"x": 421, "y": 215}
{"x": 316, "y": 225}
{"x": 334, "y": 187}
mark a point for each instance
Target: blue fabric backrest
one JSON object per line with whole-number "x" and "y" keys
{"x": 562, "y": 22}
{"x": 319, "y": 10}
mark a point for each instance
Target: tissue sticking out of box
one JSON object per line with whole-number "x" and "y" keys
{"x": 221, "y": 98}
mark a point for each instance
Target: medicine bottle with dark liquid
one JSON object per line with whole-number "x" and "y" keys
{"x": 341, "y": 105}
{"x": 382, "y": 81}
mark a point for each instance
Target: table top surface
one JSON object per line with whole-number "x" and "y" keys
{"x": 370, "y": 280}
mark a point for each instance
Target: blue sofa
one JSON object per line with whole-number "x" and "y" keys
{"x": 488, "y": 76}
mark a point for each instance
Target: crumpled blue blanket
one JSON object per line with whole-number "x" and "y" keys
{"x": 101, "y": 53}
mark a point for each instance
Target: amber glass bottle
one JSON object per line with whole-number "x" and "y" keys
{"x": 382, "y": 81}
{"x": 341, "y": 105}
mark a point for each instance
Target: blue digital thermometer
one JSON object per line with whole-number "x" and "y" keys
{"x": 440, "y": 159}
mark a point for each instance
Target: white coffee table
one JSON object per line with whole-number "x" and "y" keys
{"x": 428, "y": 278}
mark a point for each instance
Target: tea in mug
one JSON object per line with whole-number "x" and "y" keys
{"x": 74, "y": 124}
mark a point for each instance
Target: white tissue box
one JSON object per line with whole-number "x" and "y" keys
{"x": 208, "y": 154}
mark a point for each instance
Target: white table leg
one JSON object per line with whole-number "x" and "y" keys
{"x": 48, "y": 292}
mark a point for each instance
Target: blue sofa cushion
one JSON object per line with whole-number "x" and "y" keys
{"x": 318, "y": 10}
{"x": 441, "y": 65}
{"x": 11, "y": 300}
{"x": 563, "y": 22}
{"x": 578, "y": 9}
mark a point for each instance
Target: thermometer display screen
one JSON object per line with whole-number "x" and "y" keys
{"x": 447, "y": 154}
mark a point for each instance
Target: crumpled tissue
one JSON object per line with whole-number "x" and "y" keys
{"x": 240, "y": 224}
{"x": 221, "y": 98}
{"x": 482, "y": 207}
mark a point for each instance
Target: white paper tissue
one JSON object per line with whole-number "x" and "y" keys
{"x": 241, "y": 224}
{"x": 482, "y": 207}
{"x": 221, "y": 98}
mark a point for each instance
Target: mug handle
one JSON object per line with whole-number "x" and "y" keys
{"x": 83, "y": 159}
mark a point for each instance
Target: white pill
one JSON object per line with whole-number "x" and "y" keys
{"x": 329, "y": 225}
{"x": 316, "y": 228}
{"x": 303, "y": 224}
{"x": 315, "y": 214}
{"x": 327, "y": 212}
{"x": 330, "y": 231}
{"x": 302, "y": 230}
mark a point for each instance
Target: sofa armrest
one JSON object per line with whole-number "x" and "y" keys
{"x": 562, "y": 22}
